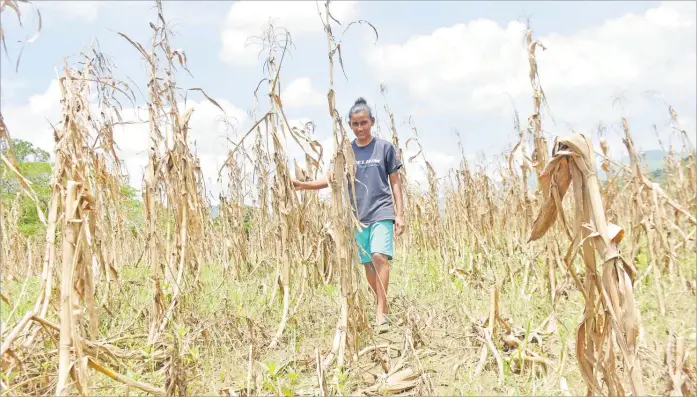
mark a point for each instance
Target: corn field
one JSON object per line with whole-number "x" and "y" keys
{"x": 572, "y": 285}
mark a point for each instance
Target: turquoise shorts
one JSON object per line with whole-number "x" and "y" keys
{"x": 376, "y": 238}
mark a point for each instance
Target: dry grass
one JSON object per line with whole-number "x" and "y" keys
{"x": 269, "y": 299}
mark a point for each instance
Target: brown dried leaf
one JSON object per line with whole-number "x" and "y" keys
{"x": 616, "y": 233}
{"x": 547, "y": 215}
{"x": 138, "y": 46}
{"x": 209, "y": 98}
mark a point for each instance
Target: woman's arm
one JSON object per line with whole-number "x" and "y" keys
{"x": 317, "y": 184}
{"x": 398, "y": 202}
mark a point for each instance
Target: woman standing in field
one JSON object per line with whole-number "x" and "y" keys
{"x": 378, "y": 208}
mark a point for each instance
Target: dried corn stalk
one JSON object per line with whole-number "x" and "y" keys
{"x": 539, "y": 157}
{"x": 608, "y": 286}
{"x": 284, "y": 201}
{"x": 406, "y": 239}
{"x": 427, "y": 208}
{"x": 82, "y": 164}
{"x": 173, "y": 198}
{"x": 342, "y": 221}
{"x": 8, "y": 161}
{"x": 232, "y": 214}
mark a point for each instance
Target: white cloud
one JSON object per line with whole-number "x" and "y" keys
{"x": 300, "y": 93}
{"x": 472, "y": 66}
{"x": 476, "y": 55}
{"x": 32, "y": 121}
{"x": 9, "y": 88}
{"x": 87, "y": 11}
{"x": 416, "y": 168}
{"x": 251, "y": 18}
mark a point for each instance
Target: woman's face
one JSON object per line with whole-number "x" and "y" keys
{"x": 361, "y": 123}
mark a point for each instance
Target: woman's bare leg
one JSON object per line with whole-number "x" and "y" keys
{"x": 381, "y": 276}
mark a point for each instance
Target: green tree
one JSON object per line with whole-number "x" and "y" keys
{"x": 132, "y": 207}
{"x": 34, "y": 164}
{"x": 26, "y": 152}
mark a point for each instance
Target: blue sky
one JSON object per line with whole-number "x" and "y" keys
{"x": 449, "y": 65}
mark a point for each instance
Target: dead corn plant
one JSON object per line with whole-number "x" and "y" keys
{"x": 14, "y": 244}
{"x": 608, "y": 287}
{"x": 232, "y": 218}
{"x": 539, "y": 156}
{"x": 173, "y": 197}
{"x": 649, "y": 207}
{"x": 689, "y": 153}
{"x": 406, "y": 240}
{"x": 279, "y": 221}
{"x": 84, "y": 160}
{"x": 520, "y": 196}
{"x": 285, "y": 205}
{"x": 315, "y": 248}
{"x": 680, "y": 383}
{"x": 427, "y": 207}
{"x": 342, "y": 219}
{"x": 463, "y": 218}
{"x": 522, "y": 350}
{"x": 459, "y": 207}
{"x": 261, "y": 225}
{"x": 8, "y": 161}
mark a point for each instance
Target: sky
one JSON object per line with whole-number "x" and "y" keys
{"x": 450, "y": 66}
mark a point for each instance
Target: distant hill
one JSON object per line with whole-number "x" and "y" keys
{"x": 653, "y": 159}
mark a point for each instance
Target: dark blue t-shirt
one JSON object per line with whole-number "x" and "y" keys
{"x": 374, "y": 163}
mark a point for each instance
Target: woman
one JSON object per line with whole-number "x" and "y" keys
{"x": 378, "y": 208}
